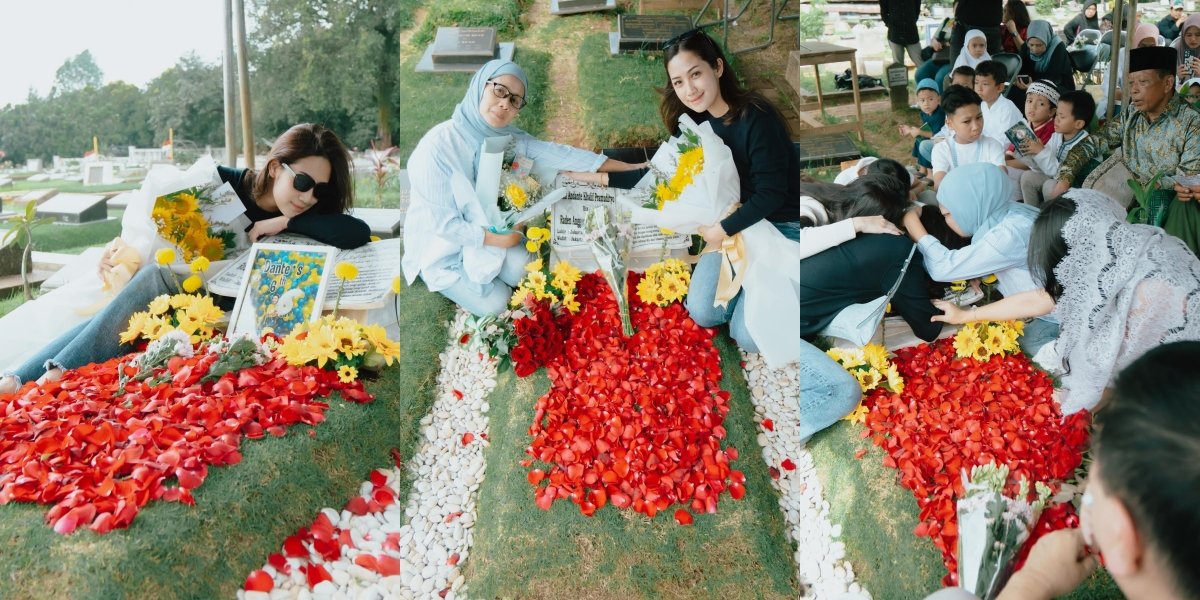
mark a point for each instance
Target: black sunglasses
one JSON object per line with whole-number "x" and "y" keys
{"x": 302, "y": 182}
{"x": 683, "y": 37}
{"x": 501, "y": 91}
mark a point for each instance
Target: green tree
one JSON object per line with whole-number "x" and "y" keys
{"x": 334, "y": 61}
{"x": 188, "y": 98}
{"x": 77, "y": 73}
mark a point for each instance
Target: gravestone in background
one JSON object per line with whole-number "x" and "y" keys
{"x": 10, "y": 259}
{"x": 463, "y": 49}
{"x": 570, "y": 7}
{"x": 646, "y": 32}
{"x": 74, "y": 208}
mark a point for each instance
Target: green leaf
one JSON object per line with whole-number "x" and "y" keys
{"x": 30, "y": 211}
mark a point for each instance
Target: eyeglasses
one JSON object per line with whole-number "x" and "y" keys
{"x": 302, "y": 182}
{"x": 502, "y": 92}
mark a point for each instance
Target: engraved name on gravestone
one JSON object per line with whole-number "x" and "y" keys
{"x": 649, "y": 32}
{"x": 567, "y": 7}
{"x": 464, "y": 45}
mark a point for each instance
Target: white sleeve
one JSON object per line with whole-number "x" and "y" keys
{"x": 814, "y": 240}
{"x": 941, "y": 156}
{"x": 1047, "y": 159}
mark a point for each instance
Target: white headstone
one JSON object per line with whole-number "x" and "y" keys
{"x": 74, "y": 208}
{"x": 33, "y": 164}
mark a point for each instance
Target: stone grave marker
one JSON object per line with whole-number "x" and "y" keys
{"x": 121, "y": 200}
{"x": 10, "y": 259}
{"x": 463, "y": 49}
{"x": 74, "y": 208}
{"x": 570, "y": 7}
{"x": 33, "y": 164}
{"x": 646, "y": 32}
{"x": 384, "y": 222}
{"x": 34, "y": 196}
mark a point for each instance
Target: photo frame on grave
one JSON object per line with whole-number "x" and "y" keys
{"x": 285, "y": 285}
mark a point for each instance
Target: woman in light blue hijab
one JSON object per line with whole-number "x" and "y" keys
{"x": 976, "y": 200}
{"x": 447, "y": 239}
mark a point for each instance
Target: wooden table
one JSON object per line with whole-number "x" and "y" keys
{"x": 820, "y": 53}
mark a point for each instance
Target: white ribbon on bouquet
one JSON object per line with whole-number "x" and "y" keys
{"x": 771, "y": 276}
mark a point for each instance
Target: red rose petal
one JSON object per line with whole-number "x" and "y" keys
{"x": 467, "y": 438}
{"x": 768, "y": 424}
{"x": 788, "y": 465}
{"x": 259, "y": 581}
{"x": 683, "y": 517}
{"x": 388, "y": 565}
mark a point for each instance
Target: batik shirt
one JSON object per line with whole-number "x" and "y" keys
{"x": 1170, "y": 143}
{"x": 1077, "y": 157}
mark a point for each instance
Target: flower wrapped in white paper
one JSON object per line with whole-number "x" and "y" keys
{"x": 992, "y": 527}
{"x": 758, "y": 261}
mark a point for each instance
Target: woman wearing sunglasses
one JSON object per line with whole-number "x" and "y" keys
{"x": 304, "y": 188}
{"x": 447, "y": 239}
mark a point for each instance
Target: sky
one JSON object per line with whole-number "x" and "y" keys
{"x": 130, "y": 40}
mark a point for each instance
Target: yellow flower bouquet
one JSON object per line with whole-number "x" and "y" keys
{"x": 554, "y": 286}
{"x": 194, "y": 316}
{"x": 664, "y": 282}
{"x": 982, "y": 340}
{"x": 339, "y": 344}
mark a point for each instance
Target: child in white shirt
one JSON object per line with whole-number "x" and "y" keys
{"x": 968, "y": 145}
{"x": 999, "y": 113}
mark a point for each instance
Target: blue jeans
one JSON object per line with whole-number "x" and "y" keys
{"x": 98, "y": 338}
{"x": 928, "y": 70}
{"x": 491, "y": 298}
{"x": 924, "y": 152}
{"x": 1038, "y": 333}
{"x": 827, "y": 391}
{"x": 703, "y": 290}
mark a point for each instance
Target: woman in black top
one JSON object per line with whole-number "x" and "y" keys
{"x": 305, "y": 188}
{"x": 1043, "y": 56}
{"x": 1086, "y": 19}
{"x": 701, "y": 85}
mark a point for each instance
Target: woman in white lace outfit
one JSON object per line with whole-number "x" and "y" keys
{"x": 1117, "y": 290}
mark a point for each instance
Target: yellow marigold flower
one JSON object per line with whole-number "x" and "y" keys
{"x": 876, "y": 356}
{"x": 346, "y": 270}
{"x": 536, "y": 280}
{"x": 164, "y": 256}
{"x": 565, "y": 275}
{"x": 160, "y": 304}
{"x": 396, "y": 284}
{"x": 858, "y": 415}
{"x": 538, "y": 233}
{"x": 137, "y": 322}
{"x": 200, "y": 265}
{"x": 347, "y": 374}
{"x": 532, "y": 246}
{"x": 534, "y": 265}
{"x": 516, "y": 195}
{"x": 966, "y": 341}
{"x": 958, "y": 286}
{"x": 192, "y": 283}
{"x": 990, "y": 279}
{"x": 570, "y": 303}
{"x": 647, "y": 290}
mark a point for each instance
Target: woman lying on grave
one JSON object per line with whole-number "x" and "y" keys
{"x": 978, "y": 204}
{"x": 304, "y": 188}
{"x": 831, "y": 217}
{"x": 448, "y": 240}
{"x": 1117, "y": 290}
{"x": 701, "y": 84}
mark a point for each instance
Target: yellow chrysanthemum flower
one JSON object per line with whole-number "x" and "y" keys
{"x": 565, "y": 275}
{"x": 966, "y": 341}
{"x": 518, "y": 297}
{"x": 164, "y": 256}
{"x": 958, "y": 286}
{"x": 346, "y": 271}
{"x": 858, "y": 415}
{"x": 990, "y": 279}
{"x": 192, "y": 283}
{"x": 895, "y": 383}
{"x": 347, "y": 374}
{"x": 199, "y": 265}
{"x": 876, "y": 356}
{"x": 536, "y": 280}
{"x": 137, "y": 322}
{"x": 160, "y": 304}
{"x": 534, "y": 265}
{"x": 538, "y": 233}
{"x": 570, "y": 303}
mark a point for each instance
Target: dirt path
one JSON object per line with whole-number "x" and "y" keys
{"x": 418, "y": 20}
{"x": 562, "y": 106}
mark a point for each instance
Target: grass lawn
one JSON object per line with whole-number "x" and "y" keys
{"x": 504, "y": 15}
{"x": 73, "y": 239}
{"x": 619, "y": 95}
{"x": 742, "y": 551}
{"x": 878, "y": 517}
{"x": 244, "y": 512}
{"x": 68, "y": 187}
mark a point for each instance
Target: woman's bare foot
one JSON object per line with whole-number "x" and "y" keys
{"x": 51, "y": 375}
{"x": 9, "y": 384}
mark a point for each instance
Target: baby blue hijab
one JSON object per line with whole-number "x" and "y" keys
{"x": 467, "y": 119}
{"x": 979, "y": 196}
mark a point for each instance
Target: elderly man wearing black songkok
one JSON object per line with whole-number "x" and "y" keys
{"x": 1160, "y": 134}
